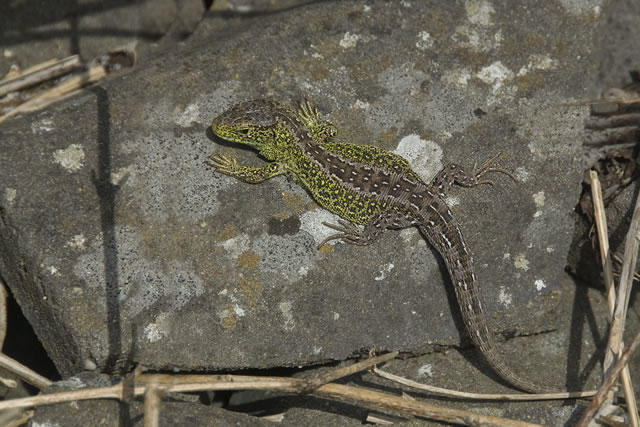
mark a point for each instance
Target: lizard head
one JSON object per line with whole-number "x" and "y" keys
{"x": 259, "y": 124}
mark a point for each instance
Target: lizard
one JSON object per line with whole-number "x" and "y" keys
{"x": 365, "y": 186}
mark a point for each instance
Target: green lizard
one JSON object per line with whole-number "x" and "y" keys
{"x": 364, "y": 185}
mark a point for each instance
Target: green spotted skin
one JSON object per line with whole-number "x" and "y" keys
{"x": 368, "y": 186}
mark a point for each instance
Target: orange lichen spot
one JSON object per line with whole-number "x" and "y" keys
{"x": 227, "y": 233}
{"x": 249, "y": 259}
{"x": 326, "y": 249}
{"x": 229, "y": 321}
{"x": 251, "y": 289}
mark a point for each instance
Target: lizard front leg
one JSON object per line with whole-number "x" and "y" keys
{"x": 321, "y": 130}
{"x": 250, "y": 174}
{"x": 351, "y": 233}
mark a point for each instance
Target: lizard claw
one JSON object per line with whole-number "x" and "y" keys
{"x": 349, "y": 233}
{"x": 222, "y": 163}
{"x": 486, "y": 168}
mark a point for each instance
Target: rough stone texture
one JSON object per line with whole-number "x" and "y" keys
{"x": 123, "y": 248}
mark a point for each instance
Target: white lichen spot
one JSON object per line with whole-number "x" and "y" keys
{"x": 425, "y": 370}
{"x": 223, "y": 292}
{"x": 506, "y": 255}
{"x": 71, "y": 158}
{"x": 317, "y": 350}
{"x": 349, "y": 40}
{"x": 539, "y": 284}
{"x": 239, "y": 311}
{"x": 382, "y": 274}
{"x": 425, "y": 41}
{"x": 522, "y": 175}
{"x": 285, "y": 309}
{"x": 237, "y": 245}
{"x": 361, "y": 105}
{"x": 121, "y": 175}
{"x": 190, "y": 115}
{"x": 152, "y": 333}
{"x": 406, "y": 234}
{"x": 52, "y": 270}
{"x": 10, "y": 195}
{"x": 73, "y": 383}
{"x": 336, "y": 316}
{"x": 521, "y": 262}
{"x": 504, "y": 297}
{"x": 538, "y": 199}
{"x": 42, "y": 126}
{"x": 498, "y": 37}
{"x": 458, "y": 77}
{"x": 495, "y": 75}
{"x": 366, "y": 8}
{"x": 452, "y": 201}
{"x": 316, "y": 55}
{"x": 550, "y": 250}
{"x": 580, "y": 8}
{"x": 303, "y": 271}
{"x": 312, "y": 223}
{"x": 479, "y": 12}
{"x": 538, "y": 62}
{"x": 425, "y": 156}
{"x": 77, "y": 242}
{"x": 468, "y": 37}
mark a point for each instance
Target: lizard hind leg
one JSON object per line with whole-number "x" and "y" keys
{"x": 351, "y": 233}
{"x": 454, "y": 174}
{"x": 348, "y": 233}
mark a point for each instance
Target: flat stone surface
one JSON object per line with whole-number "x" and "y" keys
{"x": 123, "y": 248}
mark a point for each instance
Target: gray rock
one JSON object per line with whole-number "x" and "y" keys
{"x": 123, "y": 248}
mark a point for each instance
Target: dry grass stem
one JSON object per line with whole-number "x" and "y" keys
{"x": 481, "y": 396}
{"x": 24, "y": 373}
{"x": 345, "y": 371}
{"x": 39, "y": 73}
{"x": 601, "y": 398}
{"x": 192, "y": 383}
{"x": 15, "y": 418}
{"x": 61, "y": 91}
{"x": 8, "y": 383}
{"x": 3, "y": 313}
{"x": 603, "y": 240}
{"x": 152, "y": 399}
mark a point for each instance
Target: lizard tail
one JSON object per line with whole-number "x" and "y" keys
{"x": 447, "y": 238}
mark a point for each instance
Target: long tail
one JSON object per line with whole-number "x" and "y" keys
{"x": 445, "y": 235}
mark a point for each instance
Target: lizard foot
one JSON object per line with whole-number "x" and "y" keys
{"x": 322, "y": 130}
{"x": 349, "y": 233}
{"x": 223, "y": 164}
{"x": 486, "y": 168}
